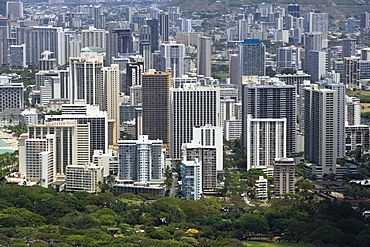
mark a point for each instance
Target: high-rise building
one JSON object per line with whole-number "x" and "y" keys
{"x": 234, "y": 69}
{"x": 11, "y": 96}
{"x": 312, "y": 42}
{"x": 83, "y": 113}
{"x": 154, "y": 36}
{"x": 252, "y": 58}
{"x": 317, "y": 22}
{"x": 191, "y": 106}
{"x": 350, "y": 25}
{"x": 85, "y": 78}
{"x": 40, "y": 160}
{"x": 357, "y": 136}
{"x": 14, "y": 9}
{"x": 191, "y": 180}
{"x": 17, "y": 56}
{"x": 145, "y": 46}
{"x": 164, "y": 26}
{"x": 341, "y": 104}
{"x": 110, "y": 82}
{"x": 3, "y": 45}
{"x": 141, "y": 160}
{"x": 46, "y": 39}
{"x": 284, "y": 59}
{"x": 72, "y": 145}
{"x": 210, "y": 136}
{"x": 156, "y": 105}
{"x": 172, "y": 57}
{"x": 207, "y": 158}
{"x": 111, "y": 47}
{"x": 351, "y": 72}
{"x": 87, "y": 177}
{"x": 124, "y": 40}
{"x": 271, "y": 101}
{"x": 265, "y": 141}
{"x": 364, "y": 22}
{"x": 316, "y": 64}
{"x": 348, "y": 47}
{"x": 204, "y": 56}
{"x": 94, "y": 37}
{"x": 294, "y": 10}
{"x": 284, "y": 175}
{"x": 3, "y": 8}
{"x": 320, "y": 128}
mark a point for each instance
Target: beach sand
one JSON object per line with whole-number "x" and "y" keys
{"x": 10, "y": 139}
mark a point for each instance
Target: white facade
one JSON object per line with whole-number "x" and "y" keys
{"x": 172, "y": 57}
{"x": 39, "y": 160}
{"x": 191, "y": 106}
{"x": 110, "y": 81}
{"x": 86, "y": 177}
{"x": 210, "y": 136}
{"x": 266, "y": 140}
{"x": 232, "y": 129}
{"x": 262, "y": 188}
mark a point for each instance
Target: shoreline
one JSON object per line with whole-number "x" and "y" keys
{"x": 10, "y": 140}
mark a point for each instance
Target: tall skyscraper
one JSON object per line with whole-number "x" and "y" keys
{"x": 172, "y": 57}
{"x": 3, "y": 8}
{"x": 145, "y": 46}
{"x": 312, "y": 42}
{"x": 73, "y": 141}
{"x": 204, "y": 56}
{"x": 156, "y": 105}
{"x": 83, "y": 113}
{"x": 284, "y": 59}
{"x": 141, "y": 160}
{"x": 154, "y": 36}
{"x": 341, "y": 92}
{"x": 348, "y": 47}
{"x": 85, "y": 78}
{"x": 94, "y": 37}
{"x": 317, "y": 22}
{"x": 111, "y": 47}
{"x": 3, "y": 45}
{"x": 14, "y": 9}
{"x": 271, "y": 101}
{"x": 294, "y": 10}
{"x": 17, "y": 56}
{"x": 320, "y": 128}
{"x": 40, "y": 160}
{"x": 351, "y": 72}
{"x": 124, "y": 40}
{"x": 252, "y": 57}
{"x": 265, "y": 140}
{"x": 191, "y": 106}
{"x": 316, "y": 64}
{"x": 234, "y": 69}
{"x": 364, "y": 22}
{"x": 164, "y": 26}
{"x": 110, "y": 82}
{"x": 46, "y": 39}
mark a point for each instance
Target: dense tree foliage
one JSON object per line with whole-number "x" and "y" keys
{"x": 40, "y": 215}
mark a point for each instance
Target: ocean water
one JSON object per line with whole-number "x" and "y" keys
{"x": 4, "y": 144}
